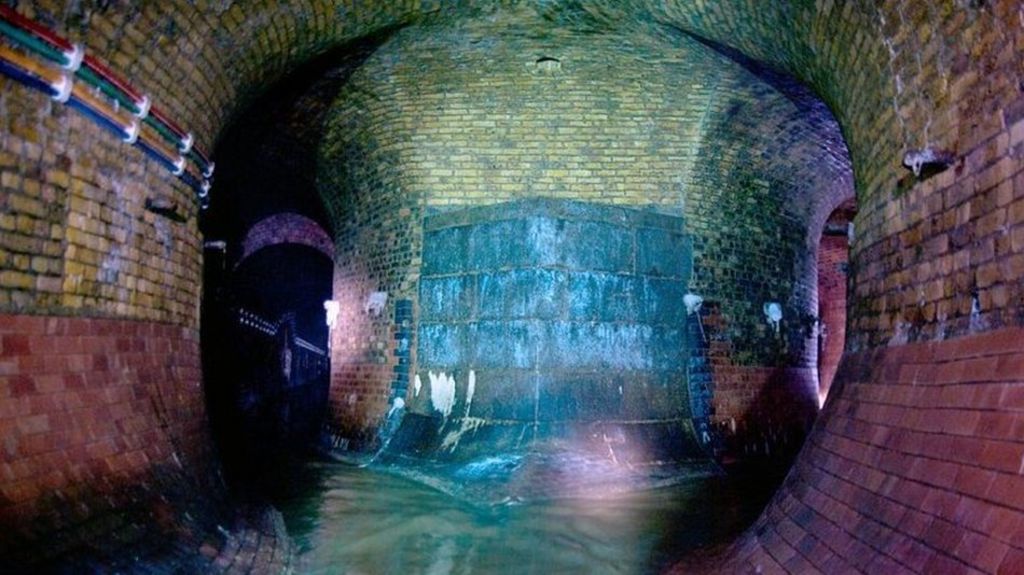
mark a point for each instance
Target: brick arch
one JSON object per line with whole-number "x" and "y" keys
{"x": 914, "y": 465}
{"x": 241, "y": 50}
{"x": 202, "y": 64}
{"x": 287, "y": 228}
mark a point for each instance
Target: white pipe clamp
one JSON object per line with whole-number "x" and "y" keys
{"x": 74, "y": 58}
{"x": 132, "y": 132}
{"x": 63, "y": 89}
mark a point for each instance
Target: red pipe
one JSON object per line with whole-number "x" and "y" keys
{"x": 41, "y": 32}
{"x": 159, "y": 115}
{"x": 97, "y": 67}
{"x": 113, "y": 79}
{"x": 201, "y": 155}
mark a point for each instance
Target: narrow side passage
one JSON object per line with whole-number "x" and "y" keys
{"x": 265, "y": 359}
{"x": 270, "y": 251}
{"x": 833, "y": 277}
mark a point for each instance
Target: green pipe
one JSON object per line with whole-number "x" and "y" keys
{"x": 110, "y": 90}
{"x": 32, "y": 43}
{"x": 44, "y": 49}
{"x": 198, "y": 159}
{"x": 163, "y": 130}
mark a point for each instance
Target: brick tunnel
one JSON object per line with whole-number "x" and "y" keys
{"x": 568, "y": 249}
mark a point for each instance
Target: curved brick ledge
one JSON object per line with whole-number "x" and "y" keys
{"x": 913, "y": 467}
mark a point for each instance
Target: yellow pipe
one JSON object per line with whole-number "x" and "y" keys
{"x": 156, "y": 142}
{"x": 83, "y": 93}
{"x": 45, "y": 73}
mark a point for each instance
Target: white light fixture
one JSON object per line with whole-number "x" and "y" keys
{"x": 773, "y": 311}
{"x": 692, "y": 302}
{"x": 375, "y": 303}
{"x": 332, "y": 307}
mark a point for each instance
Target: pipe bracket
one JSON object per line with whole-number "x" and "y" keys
{"x": 74, "y": 58}
{"x": 63, "y": 89}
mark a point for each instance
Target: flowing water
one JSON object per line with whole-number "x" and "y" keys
{"x": 350, "y": 520}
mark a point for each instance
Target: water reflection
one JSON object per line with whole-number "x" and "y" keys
{"x": 360, "y": 521}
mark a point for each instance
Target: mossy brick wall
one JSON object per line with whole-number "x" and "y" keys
{"x": 850, "y": 55}
{"x": 901, "y": 76}
{"x": 919, "y": 253}
{"x": 376, "y": 235}
{"x": 479, "y": 111}
{"x": 80, "y": 241}
{"x": 76, "y": 237}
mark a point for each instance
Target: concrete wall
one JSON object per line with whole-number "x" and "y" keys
{"x": 542, "y": 319}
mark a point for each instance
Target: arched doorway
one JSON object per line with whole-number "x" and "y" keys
{"x": 833, "y": 271}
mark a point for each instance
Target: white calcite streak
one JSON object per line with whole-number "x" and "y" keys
{"x": 470, "y": 388}
{"x": 442, "y": 392}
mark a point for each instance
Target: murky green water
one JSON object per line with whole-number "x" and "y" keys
{"x": 359, "y": 521}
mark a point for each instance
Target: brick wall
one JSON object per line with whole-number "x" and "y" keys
{"x": 760, "y": 412}
{"x": 914, "y": 467}
{"x": 833, "y": 261}
{"x": 883, "y": 94}
{"x": 96, "y": 427}
{"x": 76, "y": 237}
{"x": 922, "y": 246}
{"x": 286, "y": 228}
{"x": 899, "y": 75}
{"x": 90, "y": 409}
{"x": 472, "y": 112}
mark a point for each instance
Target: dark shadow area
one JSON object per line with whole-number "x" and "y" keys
{"x": 266, "y": 158}
{"x": 809, "y": 104}
{"x": 267, "y": 272}
{"x": 266, "y": 350}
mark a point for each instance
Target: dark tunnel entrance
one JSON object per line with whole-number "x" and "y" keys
{"x": 266, "y": 363}
{"x": 269, "y": 265}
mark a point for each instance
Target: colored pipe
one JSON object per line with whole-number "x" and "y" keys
{"x": 45, "y": 43}
{"x": 40, "y": 41}
{"x": 103, "y": 72}
{"x": 34, "y": 28}
{"x": 26, "y": 65}
{"x": 57, "y": 49}
{"x": 31, "y": 42}
{"x": 19, "y": 74}
{"x": 59, "y": 85}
